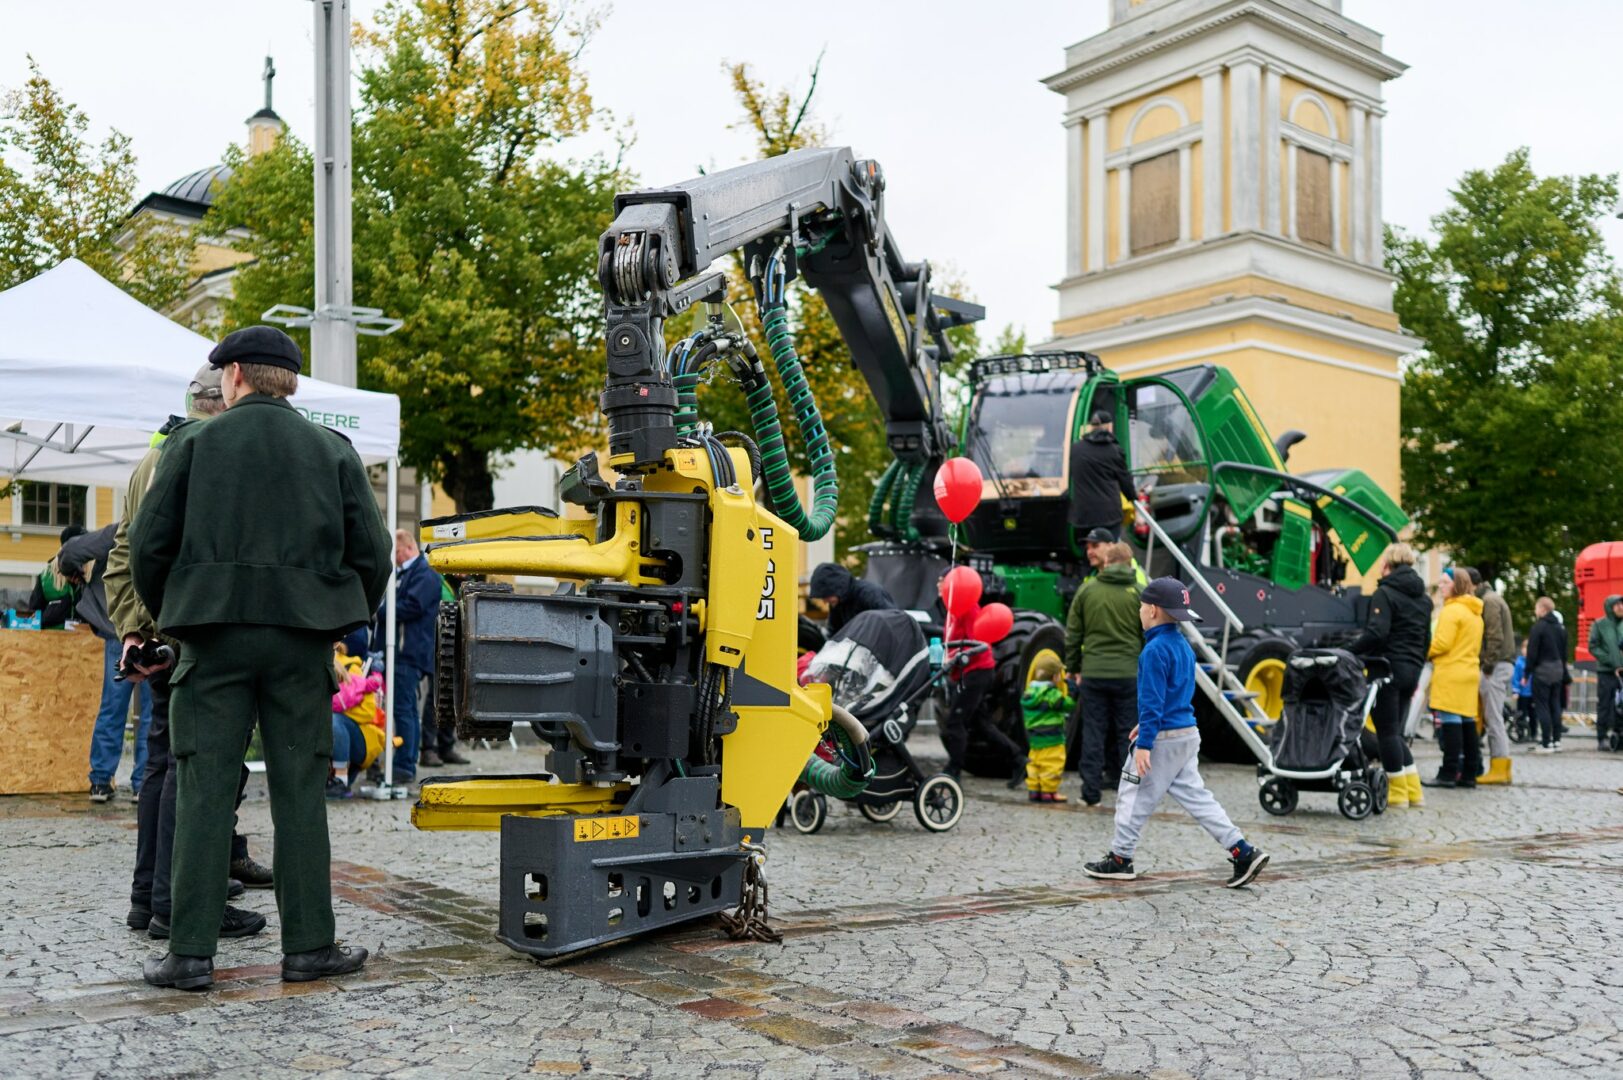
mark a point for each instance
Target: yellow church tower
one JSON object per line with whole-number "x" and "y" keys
{"x": 1223, "y": 206}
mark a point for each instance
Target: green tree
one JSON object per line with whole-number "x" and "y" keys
{"x": 466, "y": 225}
{"x": 62, "y": 196}
{"x": 781, "y": 121}
{"x": 1511, "y": 450}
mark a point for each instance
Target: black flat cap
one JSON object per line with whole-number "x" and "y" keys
{"x": 257, "y": 345}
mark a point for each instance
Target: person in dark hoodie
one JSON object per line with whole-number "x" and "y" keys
{"x": 845, "y": 595}
{"x": 1398, "y": 631}
{"x": 1547, "y": 660}
{"x": 1099, "y": 479}
{"x": 1606, "y": 646}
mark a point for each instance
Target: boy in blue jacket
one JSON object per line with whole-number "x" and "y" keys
{"x": 1166, "y": 743}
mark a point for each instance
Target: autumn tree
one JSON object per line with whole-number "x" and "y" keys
{"x": 64, "y": 196}
{"x": 468, "y": 226}
{"x": 1511, "y": 452}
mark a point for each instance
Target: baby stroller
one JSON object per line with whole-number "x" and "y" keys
{"x": 1315, "y": 746}
{"x": 879, "y": 667}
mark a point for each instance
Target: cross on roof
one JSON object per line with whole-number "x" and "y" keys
{"x": 270, "y": 74}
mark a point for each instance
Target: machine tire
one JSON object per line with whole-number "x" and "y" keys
{"x": 808, "y": 810}
{"x": 1031, "y": 634}
{"x": 1278, "y": 796}
{"x": 881, "y": 813}
{"x": 1356, "y": 801}
{"x": 939, "y": 803}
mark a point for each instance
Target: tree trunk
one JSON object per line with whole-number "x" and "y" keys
{"x": 468, "y": 480}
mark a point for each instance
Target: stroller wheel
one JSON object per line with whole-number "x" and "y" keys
{"x": 807, "y": 811}
{"x": 881, "y": 812}
{"x": 1357, "y": 800}
{"x": 939, "y": 803}
{"x": 1278, "y": 796}
{"x": 1381, "y": 784}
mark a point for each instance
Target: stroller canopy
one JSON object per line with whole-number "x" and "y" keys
{"x": 1335, "y": 675}
{"x": 867, "y": 658}
{"x": 1324, "y": 709}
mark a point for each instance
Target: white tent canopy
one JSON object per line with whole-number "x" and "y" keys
{"x": 88, "y": 373}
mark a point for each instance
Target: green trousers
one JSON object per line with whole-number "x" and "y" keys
{"x": 223, "y": 681}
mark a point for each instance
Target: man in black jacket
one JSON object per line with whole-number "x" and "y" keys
{"x": 845, "y": 595}
{"x": 1399, "y": 632}
{"x": 1099, "y": 478}
{"x": 1547, "y": 664}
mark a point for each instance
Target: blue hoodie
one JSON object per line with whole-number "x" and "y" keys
{"x": 1166, "y": 684}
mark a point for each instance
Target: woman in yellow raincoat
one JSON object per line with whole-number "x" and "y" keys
{"x": 1456, "y": 647}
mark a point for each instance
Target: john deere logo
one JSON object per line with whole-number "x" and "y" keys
{"x": 336, "y": 421}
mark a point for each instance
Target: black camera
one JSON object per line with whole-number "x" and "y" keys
{"x": 149, "y": 654}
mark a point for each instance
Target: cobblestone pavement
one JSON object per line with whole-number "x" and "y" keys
{"x": 1479, "y": 935}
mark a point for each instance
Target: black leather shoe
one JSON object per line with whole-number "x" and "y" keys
{"x": 253, "y": 875}
{"x": 322, "y": 963}
{"x": 234, "y": 923}
{"x": 180, "y": 972}
{"x": 234, "y": 889}
{"x": 430, "y": 759}
{"x": 138, "y": 918}
{"x": 451, "y": 757}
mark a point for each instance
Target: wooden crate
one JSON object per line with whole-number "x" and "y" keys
{"x": 50, "y": 690}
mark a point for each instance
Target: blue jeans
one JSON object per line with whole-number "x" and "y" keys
{"x": 348, "y": 745}
{"x": 407, "y": 721}
{"x": 107, "y": 741}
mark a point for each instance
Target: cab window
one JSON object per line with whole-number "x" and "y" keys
{"x": 1163, "y": 441}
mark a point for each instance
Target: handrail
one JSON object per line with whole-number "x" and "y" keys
{"x": 1189, "y": 568}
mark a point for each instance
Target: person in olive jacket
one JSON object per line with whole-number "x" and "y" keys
{"x": 1399, "y": 632}
{"x": 258, "y": 544}
{"x": 1103, "y": 638}
{"x": 1606, "y": 646}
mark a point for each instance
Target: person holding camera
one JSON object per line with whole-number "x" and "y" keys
{"x": 82, "y": 562}
{"x": 148, "y": 658}
{"x": 258, "y": 545}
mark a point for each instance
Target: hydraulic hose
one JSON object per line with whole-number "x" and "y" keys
{"x": 851, "y": 775}
{"x": 780, "y": 486}
{"x": 901, "y": 510}
{"x": 881, "y": 492}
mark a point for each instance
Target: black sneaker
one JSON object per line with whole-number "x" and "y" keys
{"x": 234, "y": 888}
{"x": 101, "y": 793}
{"x": 234, "y": 923}
{"x": 1112, "y": 868}
{"x": 252, "y": 874}
{"x": 1246, "y": 867}
{"x": 337, "y": 789}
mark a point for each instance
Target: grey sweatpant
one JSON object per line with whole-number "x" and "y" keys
{"x": 1495, "y": 687}
{"x": 1175, "y": 771}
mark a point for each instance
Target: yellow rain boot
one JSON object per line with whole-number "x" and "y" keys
{"x": 1411, "y": 777}
{"x": 1498, "y": 772}
{"x": 1397, "y": 791}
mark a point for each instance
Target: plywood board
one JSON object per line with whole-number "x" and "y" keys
{"x": 50, "y": 690}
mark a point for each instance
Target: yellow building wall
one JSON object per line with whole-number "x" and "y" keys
{"x": 1238, "y": 288}
{"x": 1228, "y": 154}
{"x": 1156, "y": 122}
{"x": 1290, "y": 91}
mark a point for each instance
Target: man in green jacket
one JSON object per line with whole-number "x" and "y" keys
{"x": 1606, "y": 646}
{"x": 1102, "y": 641}
{"x": 258, "y": 544}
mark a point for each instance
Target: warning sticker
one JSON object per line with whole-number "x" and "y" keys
{"x": 612, "y": 828}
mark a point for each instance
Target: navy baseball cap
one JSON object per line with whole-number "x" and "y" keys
{"x": 1171, "y": 596}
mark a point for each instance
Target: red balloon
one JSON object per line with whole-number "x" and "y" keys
{"x": 958, "y": 488}
{"x": 993, "y": 624}
{"x": 960, "y": 590}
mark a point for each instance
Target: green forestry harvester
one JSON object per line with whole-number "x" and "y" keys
{"x": 1264, "y": 550}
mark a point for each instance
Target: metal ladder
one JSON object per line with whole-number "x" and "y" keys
{"x": 1213, "y": 675}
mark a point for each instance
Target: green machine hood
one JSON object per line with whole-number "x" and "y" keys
{"x": 1363, "y": 540}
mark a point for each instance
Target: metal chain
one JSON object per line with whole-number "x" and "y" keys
{"x": 749, "y": 923}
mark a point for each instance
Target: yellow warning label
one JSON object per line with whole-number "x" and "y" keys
{"x": 605, "y": 828}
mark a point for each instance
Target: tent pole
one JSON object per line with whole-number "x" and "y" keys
{"x": 390, "y": 629}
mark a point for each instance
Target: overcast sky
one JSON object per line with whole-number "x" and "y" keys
{"x": 945, "y": 96}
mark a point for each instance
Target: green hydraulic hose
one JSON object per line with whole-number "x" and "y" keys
{"x": 780, "y": 484}
{"x": 851, "y": 777}
{"x": 876, "y": 505}
{"x": 901, "y": 512}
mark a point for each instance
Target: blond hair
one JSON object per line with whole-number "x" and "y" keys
{"x": 1400, "y": 554}
{"x": 1117, "y": 552}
